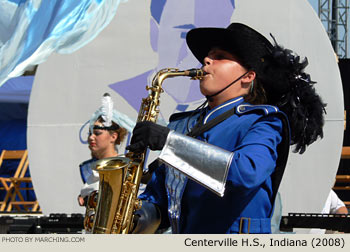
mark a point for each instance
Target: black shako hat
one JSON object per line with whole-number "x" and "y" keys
{"x": 278, "y": 70}
{"x": 248, "y": 45}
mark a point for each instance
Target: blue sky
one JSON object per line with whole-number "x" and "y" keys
{"x": 314, "y": 4}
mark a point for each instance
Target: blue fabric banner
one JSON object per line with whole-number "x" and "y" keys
{"x": 30, "y": 30}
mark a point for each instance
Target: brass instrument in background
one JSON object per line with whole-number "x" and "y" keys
{"x": 111, "y": 210}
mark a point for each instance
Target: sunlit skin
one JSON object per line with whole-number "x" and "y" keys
{"x": 102, "y": 142}
{"x": 223, "y": 68}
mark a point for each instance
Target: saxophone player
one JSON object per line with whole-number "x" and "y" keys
{"x": 223, "y": 162}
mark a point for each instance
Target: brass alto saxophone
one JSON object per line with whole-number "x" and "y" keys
{"x": 120, "y": 177}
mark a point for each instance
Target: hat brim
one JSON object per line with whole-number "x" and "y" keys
{"x": 240, "y": 40}
{"x": 202, "y": 40}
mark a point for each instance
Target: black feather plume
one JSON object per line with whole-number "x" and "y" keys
{"x": 294, "y": 93}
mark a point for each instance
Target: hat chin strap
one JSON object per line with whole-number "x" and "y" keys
{"x": 210, "y": 97}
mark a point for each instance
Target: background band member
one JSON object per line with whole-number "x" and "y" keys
{"x": 108, "y": 129}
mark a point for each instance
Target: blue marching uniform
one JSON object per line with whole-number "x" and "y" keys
{"x": 254, "y": 134}
{"x": 86, "y": 168}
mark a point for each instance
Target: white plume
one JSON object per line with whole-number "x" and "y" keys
{"x": 107, "y": 109}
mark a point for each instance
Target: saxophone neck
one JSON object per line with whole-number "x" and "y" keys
{"x": 194, "y": 73}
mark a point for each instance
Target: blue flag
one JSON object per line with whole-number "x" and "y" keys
{"x": 30, "y": 30}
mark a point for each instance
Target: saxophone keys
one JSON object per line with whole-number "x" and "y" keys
{"x": 138, "y": 204}
{"x": 154, "y": 113}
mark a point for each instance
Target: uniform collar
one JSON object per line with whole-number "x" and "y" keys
{"x": 218, "y": 110}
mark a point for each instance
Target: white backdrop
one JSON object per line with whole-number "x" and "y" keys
{"x": 139, "y": 41}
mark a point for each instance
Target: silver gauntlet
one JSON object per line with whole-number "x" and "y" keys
{"x": 205, "y": 163}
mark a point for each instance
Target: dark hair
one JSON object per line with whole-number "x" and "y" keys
{"x": 257, "y": 95}
{"x": 122, "y": 132}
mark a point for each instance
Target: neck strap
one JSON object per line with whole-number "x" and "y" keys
{"x": 210, "y": 97}
{"x": 200, "y": 128}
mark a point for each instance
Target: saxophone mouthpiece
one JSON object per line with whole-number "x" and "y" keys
{"x": 196, "y": 73}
